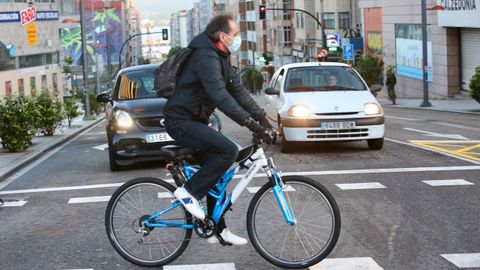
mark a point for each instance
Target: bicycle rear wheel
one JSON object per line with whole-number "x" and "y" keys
{"x": 135, "y": 201}
{"x": 314, "y": 234}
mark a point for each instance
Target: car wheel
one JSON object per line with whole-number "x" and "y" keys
{"x": 111, "y": 159}
{"x": 375, "y": 144}
{"x": 287, "y": 147}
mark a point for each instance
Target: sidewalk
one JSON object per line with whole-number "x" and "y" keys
{"x": 12, "y": 162}
{"x": 459, "y": 105}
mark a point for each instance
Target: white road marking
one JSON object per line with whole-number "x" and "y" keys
{"x": 48, "y": 155}
{"x": 304, "y": 173}
{"x": 79, "y": 269}
{"x": 370, "y": 185}
{"x": 402, "y": 118}
{"x": 433, "y": 134}
{"x": 14, "y": 204}
{"x": 256, "y": 189}
{"x": 162, "y": 195}
{"x": 358, "y": 263}
{"x": 210, "y": 266}
{"x": 432, "y": 150}
{"x": 101, "y": 147}
{"x": 89, "y": 199}
{"x": 452, "y": 182}
{"x": 463, "y": 260}
{"x": 456, "y": 126}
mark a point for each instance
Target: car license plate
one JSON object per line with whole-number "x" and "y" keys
{"x": 338, "y": 125}
{"x": 158, "y": 137}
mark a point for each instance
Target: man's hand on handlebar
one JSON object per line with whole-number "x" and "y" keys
{"x": 267, "y": 135}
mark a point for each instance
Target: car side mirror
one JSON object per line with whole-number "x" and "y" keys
{"x": 376, "y": 88}
{"x": 272, "y": 91}
{"x": 103, "y": 97}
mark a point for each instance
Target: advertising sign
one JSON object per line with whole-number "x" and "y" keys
{"x": 52, "y": 15}
{"x": 32, "y": 34}
{"x": 459, "y": 13}
{"x": 373, "y": 31}
{"x": 102, "y": 20}
{"x": 333, "y": 40}
{"x": 6, "y": 17}
{"x": 28, "y": 15}
{"x": 409, "y": 52}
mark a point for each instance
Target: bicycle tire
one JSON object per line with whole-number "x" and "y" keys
{"x": 111, "y": 232}
{"x": 259, "y": 247}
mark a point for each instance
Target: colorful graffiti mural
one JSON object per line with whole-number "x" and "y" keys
{"x": 101, "y": 24}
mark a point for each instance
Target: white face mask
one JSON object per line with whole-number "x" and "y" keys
{"x": 237, "y": 42}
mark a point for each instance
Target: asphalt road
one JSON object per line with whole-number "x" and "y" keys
{"x": 406, "y": 224}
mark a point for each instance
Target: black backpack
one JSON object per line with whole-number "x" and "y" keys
{"x": 167, "y": 73}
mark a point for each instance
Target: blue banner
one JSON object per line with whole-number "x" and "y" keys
{"x": 6, "y": 17}
{"x": 48, "y": 16}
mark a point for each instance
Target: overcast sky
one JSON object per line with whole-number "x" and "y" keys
{"x": 161, "y": 9}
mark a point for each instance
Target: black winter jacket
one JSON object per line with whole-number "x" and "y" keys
{"x": 207, "y": 82}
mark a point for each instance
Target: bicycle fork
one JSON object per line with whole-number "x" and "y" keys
{"x": 277, "y": 189}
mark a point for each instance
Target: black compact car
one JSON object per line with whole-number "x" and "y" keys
{"x": 135, "y": 121}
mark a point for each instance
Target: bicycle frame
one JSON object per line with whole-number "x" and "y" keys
{"x": 223, "y": 202}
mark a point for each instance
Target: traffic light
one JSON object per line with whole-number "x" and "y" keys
{"x": 165, "y": 34}
{"x": 263, "y": 9}
{"x": 358, "y": 55}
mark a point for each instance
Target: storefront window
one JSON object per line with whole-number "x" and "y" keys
{"x": 21, "y": 87}
{"x": 33, "y": 86}
{"x": 8, "y": 88}
{"x": 44, "y": 82}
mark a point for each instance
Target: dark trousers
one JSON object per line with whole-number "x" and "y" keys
{"x": 218, "y": 152}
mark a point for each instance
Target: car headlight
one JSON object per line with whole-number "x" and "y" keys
{"x": 372, "y": 109}
{"x": 124, "y": 120}
{"x": 299, "y": 111}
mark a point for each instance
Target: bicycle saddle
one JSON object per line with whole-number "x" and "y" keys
{"x": 245, "y": 153}
{"x": 176, "y": 152}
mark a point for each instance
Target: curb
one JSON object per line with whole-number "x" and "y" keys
{"x": 42, "y": 152}
{"x": 428, "y": 109}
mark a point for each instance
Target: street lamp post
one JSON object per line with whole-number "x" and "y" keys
{"x": 425, "y": 102}
{"x": 85, "y": 63}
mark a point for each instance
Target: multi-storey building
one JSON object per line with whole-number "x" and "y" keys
{"x": 179, "y": 29}
{"x": 393, "y": 30}
{"x": 29, "y": 53}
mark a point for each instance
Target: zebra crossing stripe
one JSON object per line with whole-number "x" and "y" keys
{"x": 14, "y": 204}
{"x": 357, "y": 263}
{"x": 452, "y": 182}
{"x": 463, "y": 260}
{"x": 211, "y": 266}
{"x": 371, "y": 185}
{"x": 89, "y": 199}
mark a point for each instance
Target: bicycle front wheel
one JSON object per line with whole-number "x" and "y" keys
{"x": 314, "y": 233}
{"x": 132, "y": 203}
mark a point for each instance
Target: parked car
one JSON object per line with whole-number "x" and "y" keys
{"x": 324, "y": 102}
{"x": 135, "y": 121}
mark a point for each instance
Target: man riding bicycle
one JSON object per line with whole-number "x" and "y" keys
{"x": 208, "y": 82}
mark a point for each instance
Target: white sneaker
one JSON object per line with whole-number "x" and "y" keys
{"x": 189, "y": 202}
{"x": 229, "y": 237}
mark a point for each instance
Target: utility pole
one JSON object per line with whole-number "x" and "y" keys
{"x": 88, "y": 115}
{"x": 107, "y": 38}
{"x": 425, "y": 102}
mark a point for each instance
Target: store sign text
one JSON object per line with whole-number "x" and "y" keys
{"x": 28, "y": 15}
{"x": 459, "y": 4}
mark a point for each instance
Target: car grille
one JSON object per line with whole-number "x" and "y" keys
{"x": 337, "y": 133}
{"x": 336, "y": 113}
{"x": 151, "y": 124}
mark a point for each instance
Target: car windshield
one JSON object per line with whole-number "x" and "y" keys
{"x": 136, "y": 84}
{"x": 323, "y": 78}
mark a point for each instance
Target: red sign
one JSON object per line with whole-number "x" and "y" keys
{"x": 323, "y": 53}
{"x": 28, "y": 15}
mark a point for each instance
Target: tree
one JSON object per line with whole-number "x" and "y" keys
{"x": 371, "y": 69}
{"x": 475, "y": 85}
{"x": 252, "y": 80}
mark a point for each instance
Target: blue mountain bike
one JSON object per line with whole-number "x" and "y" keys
{"x": 292, "y": 222}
